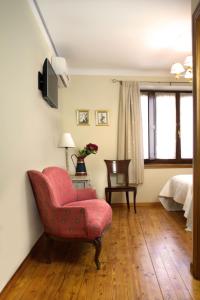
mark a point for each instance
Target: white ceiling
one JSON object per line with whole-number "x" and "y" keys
{"x": 121, "y": 37}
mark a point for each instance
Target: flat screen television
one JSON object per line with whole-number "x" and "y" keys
{"x": 48, "y": 84}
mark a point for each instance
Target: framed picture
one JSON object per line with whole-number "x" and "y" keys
{"x": 102, "y": 117}
{"x": 82, "y": 117}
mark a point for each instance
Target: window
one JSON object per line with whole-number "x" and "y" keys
{"x": 167, "y": 119}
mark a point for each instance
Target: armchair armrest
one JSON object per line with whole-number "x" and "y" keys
{"x": 69, "y": 222}
{"x": 86, "y": 194}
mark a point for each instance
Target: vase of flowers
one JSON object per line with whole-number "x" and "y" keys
{"x": 82, "y": 154}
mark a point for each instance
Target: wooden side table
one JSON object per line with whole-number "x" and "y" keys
{"x": 81, "y": 182}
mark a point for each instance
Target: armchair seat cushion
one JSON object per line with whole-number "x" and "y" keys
{"x": 98, "y": 216}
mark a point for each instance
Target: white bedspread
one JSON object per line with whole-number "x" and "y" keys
{"x": 179, "y": 189}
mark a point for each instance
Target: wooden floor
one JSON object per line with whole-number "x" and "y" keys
{"x": 144, "y": 256}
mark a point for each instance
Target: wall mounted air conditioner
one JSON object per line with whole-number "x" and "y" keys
{"x": 63, "y": 81}
{"x": 59, "y": 65}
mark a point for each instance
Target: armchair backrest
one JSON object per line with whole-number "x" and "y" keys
{"x": 52, "y": 188}
{"x": 44, "y": 197}
{"x": 61, "y": 184}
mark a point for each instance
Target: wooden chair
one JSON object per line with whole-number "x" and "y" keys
{"x": 117, "y": 167}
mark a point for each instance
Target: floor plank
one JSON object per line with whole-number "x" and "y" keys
{"x": 172, "y": 286}
{"x": 145, "y": 256}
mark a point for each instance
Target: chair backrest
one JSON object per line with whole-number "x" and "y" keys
{"x": 61, "y": 184}
{"x": 44, "y": 197}
{"x": 117, "y": 167}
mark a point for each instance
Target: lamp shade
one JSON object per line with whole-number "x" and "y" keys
{"x": 177, "y": 68}
{"x": 188, "y": 73}
{"x": 188, "y": 62}
{"x": 66, "y": 141}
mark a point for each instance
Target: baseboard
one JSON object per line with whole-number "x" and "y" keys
{"x": 150, "y": 204}
{"x": 140, "y": 204}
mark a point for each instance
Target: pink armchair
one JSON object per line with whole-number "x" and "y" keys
{"x": 69, "y": 213}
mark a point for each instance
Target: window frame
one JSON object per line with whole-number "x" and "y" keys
{"x": 152, "y": 135}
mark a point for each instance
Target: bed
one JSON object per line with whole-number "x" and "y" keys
{"x": 177, "y": 195}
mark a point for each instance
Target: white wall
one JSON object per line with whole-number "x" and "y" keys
{"x": 29, "y": 131}
{"x": 98, "y": 92}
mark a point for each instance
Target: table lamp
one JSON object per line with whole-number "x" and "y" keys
{"x": 66, "y": 141}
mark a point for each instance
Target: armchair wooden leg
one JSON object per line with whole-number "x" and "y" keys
{"x": 48, "y": 248}
{"x": 98, "y": 244}
{"x": 127, "y": 199}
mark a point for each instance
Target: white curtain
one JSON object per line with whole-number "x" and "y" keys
{"x": 130, "y": 136}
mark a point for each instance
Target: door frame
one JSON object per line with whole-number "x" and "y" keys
{"x": 195, "y": 266}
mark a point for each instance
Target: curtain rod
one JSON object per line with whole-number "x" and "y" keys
{"x": 169, "y": 82}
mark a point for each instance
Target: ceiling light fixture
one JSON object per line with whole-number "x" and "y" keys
{"x": 184, "y": 70}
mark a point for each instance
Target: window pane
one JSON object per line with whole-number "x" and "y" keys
{"x": 165, "y": 126}
{"x": 186, "y": 125}
{"x": 144, "y": 108}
